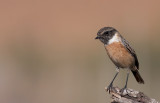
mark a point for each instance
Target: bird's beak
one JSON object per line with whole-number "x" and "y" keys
{"x": 98, "y": 37}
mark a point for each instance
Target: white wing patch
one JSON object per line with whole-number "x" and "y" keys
{"x": 115, "y": 38}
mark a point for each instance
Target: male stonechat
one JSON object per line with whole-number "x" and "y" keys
{"x": 120, "y": 53}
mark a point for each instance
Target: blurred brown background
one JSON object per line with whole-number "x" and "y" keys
{"x": 48, "y": 53}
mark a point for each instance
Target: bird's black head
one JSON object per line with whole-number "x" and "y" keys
{"x": 105, "y": 34}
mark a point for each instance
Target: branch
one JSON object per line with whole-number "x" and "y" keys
{"x": 129, "y": 96}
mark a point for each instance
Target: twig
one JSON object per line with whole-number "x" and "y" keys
{"x": 129, "y": 96}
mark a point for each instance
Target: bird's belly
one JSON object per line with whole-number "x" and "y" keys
{"x": 120, "y": 55}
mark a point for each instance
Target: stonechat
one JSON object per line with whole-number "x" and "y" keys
{"x": 120, "y": 53}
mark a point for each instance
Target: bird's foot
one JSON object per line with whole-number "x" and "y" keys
{"x": 123, "y": 89}
{"x": 109, "y": 88}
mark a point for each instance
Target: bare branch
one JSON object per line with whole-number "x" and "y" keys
{"x": 129, "y": 96}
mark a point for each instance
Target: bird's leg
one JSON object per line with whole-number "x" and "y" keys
{"x": 111, "y": 84}
{"x": 122, "y": 90}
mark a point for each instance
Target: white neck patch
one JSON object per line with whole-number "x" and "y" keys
{"x": 115, "y": 38}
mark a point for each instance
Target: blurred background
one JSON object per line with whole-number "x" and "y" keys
{"x": 48, "y": 53}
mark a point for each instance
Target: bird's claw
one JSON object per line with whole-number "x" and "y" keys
{"x": 122, "y": 90}
{"x": 109, "y": 88}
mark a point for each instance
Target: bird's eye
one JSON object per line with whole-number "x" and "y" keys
{"x": 106, "y": 33}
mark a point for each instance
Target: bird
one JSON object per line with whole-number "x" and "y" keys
{"x": 121, "y": 54}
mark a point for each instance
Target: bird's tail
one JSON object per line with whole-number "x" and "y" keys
{"x": 138, "y": 76}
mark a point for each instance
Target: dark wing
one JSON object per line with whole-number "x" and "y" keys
{"x": 131, "y": 50}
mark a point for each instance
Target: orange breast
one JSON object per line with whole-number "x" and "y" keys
{"x": 119, "y": 55}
